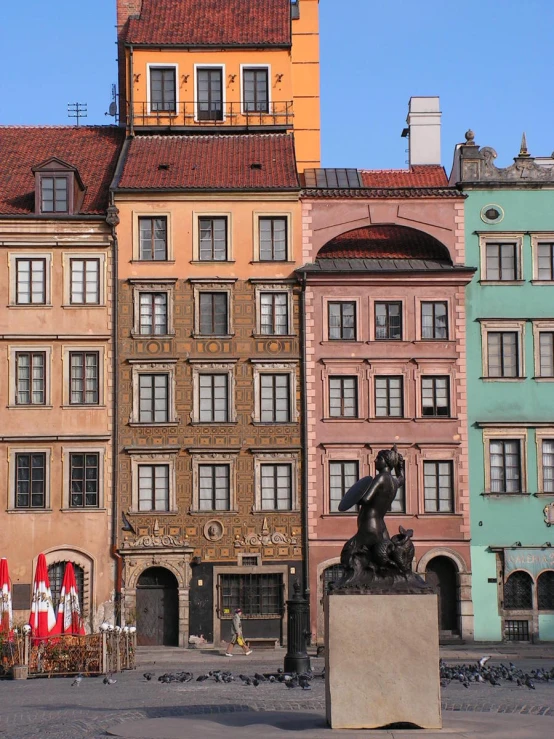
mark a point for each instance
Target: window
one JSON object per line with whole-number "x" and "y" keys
{"x": 546, "y": 353}
{"x": 273, "y": 239}
{"x": 30, "y": 281}
{"x": 153, "y": 487}
{"x": 30, "y": 480}
{"x": 209, "y": 82}
{"x": 502, "y": 262}
{"x": 255, "y": 90}
{"x": 153, "y": 239}
{"x": 342, "y": 321}
{"x": 545, "y": 262}
{"x": 255, "y": 595}
{"x": 276, "y": 487}
{"x": 153, "y": 313}
{"x": 163, "y": 90}
{"x": 388, "y": 321}
{"x": 342, "y": 475}
{"x": 505, "y": 466}
{"x": 503, "y": 354}
{"x": 214, "y": 492}
{"x": 153, "y": 398}
{"x": 398, "y": 505}
{"x": 545, "y": 591}
{"x": 85, "y": 281}
{"x": 439, "y": 493}
{"x": 55, "y": 575}
{"x": 388, "y": 397}
{"x": 274, "y": 318}
{"x": 548, "y": 466}
{"x": 84, "y": 480}
{"x": 332, "y": 575}
{"x": 275, "y": 398}
{"x": 516, "y": 630}
{"x": 434, "y": 321}
{"x": 435, "y": 396}
{"x": 213, "y": 239}
{"x": 518, "y": 592}
{"x": 54, "y": 194}
{"x": 31, "y": 378}
{"x": 214, "y": 318}
{"x": 84, "y": 378}
{"x": 343, "y": 397}
{"x": 214, "y": 398}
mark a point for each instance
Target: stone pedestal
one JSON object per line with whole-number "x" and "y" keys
{"x": 382, "y": 661}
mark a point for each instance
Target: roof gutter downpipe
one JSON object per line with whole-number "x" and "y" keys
{"x": 131, "y": 94}
{"x": 305, "y": 449}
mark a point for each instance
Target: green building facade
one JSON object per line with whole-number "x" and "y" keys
{"x": 509, "y": 221}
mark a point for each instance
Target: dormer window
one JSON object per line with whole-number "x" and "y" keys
{"x": 58, "y": 188}
{"x": 54, "y": 194}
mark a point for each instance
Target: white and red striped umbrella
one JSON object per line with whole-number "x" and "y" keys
{"x": 42, "y": 619}
{"x": 5, "y": 597}
{"x": 69, "y": 620}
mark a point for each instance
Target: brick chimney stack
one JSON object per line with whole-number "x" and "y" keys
{"x": 126, "y": 9}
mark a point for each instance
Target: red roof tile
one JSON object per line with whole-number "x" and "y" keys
{"x": 92, "y": 150}
{"x": 417, "y": 176}
{"x": 211, "y": 23}
{"x": 358, "y": 193}
{"x": 248, "y": 162}
{"x": 384, "y": 242}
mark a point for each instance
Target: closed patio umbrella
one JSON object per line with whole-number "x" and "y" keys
{"x": 42, "y": 619}
{"x": 69, "y": 620}
{"x": 5, "y": 597}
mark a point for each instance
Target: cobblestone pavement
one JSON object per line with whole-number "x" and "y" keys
{"x": 52, "y": 709}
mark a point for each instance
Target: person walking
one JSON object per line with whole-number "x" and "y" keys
{"x": 238, "y": 638}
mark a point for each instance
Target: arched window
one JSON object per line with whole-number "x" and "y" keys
{"x": 518, "y": 592}
{"x": 55, "y": 574}
{"x": 545, "y": 591}
{"x": 332, "y": 574}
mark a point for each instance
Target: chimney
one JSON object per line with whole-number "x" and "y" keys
{"x": 125, "y": 10}
{"x": 424, "y": 130}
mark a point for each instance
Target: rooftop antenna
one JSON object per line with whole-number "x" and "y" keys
{"x": 112, "y": 110}
{"x": 77, "y": 110}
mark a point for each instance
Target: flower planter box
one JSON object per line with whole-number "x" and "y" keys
{"x": 20, "y": 672}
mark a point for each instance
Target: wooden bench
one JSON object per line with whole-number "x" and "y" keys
{"x": 262, "y": 643}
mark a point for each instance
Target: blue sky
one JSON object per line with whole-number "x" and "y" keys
{"x": 489, "y": 60}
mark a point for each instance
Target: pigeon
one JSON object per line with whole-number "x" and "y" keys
{"x": 77, "y": 682}
{"x": 304, "y": 682}
{"x": 244, "y": 678}
{"x": 255, "y": 682}
{"x": 201, "y": 678}
{"x": 148, "y": 676}
{"x": 483, "y": 661}
{"x": 290, "y": 684}
{"x": 271, "y": 678}
{"x": 109, "y": 681}
{"x": 259, "y": 677}
{"x": 530, "y": 684}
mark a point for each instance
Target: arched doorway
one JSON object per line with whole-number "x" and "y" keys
{"x": 157, "y": 608}
{"x": 443, "y": 575}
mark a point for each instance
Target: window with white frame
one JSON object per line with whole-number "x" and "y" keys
{"x": 342, "y": 475}
{"x": 212, "y": 234}
{"x": 438, "y": 487}
{"x": 209, "y": 93}
{"x": 54, "y": 194}
{"x": 153, "y": 487}
{"x": 275, "y": 397}
{"x": 163, "y": 96}
{"x": 153, "y": 397}
{"x": 342, "y": 320}
{"x": 276, "y": 487}
{"x": 214, "y": 492}
{"x": 84, "y": 281}
{"x": 255, "y": 86}
{"x": 30, "y": 480}
{"x": 213, "y": 319}
{"x": 398, "y": 505}
{"x": 30, "y": 281}
{"x": 547, "y": 451}
{"x": 213, "y": 397}
{"x": 389, "y": 397}
{"x": 505, "y": 466}
{"x": 84, "y": 479}
{"x": 153, "y": 313}
{"x": 435, "y": 396}
{"x": 388, "y": 321}
{"x": 502, "y": 262}
{"x": 343, "y": 397}
{"x": 545, "y": 261}
{"x": 274, "y": 313}
{"x": 152, "y": 238}
{"x": 273, "y": 238}
{"x": 84, "y": 378}
{"x": 434, "y": 320}
{"x": 503, "y": 354}
{"x": 546, "y": 354}
{"x": 30, "y": 378}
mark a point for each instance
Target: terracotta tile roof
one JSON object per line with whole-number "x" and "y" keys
{"x": 381, "y": 192}
{"x": 92, "y": 150}
{"x": 384, "y": 242}
{"x": 330, "y": 266}
{"x": 211, "y": 23}
{"x": 417, "y": 176}
{"x": 247, "y": 162}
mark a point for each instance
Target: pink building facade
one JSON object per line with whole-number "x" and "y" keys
{"x": 385, "y": 364}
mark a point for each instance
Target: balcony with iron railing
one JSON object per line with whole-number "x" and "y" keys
{"x": 197, "y": 115}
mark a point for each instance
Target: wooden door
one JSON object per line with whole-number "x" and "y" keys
{"x": 157, "y": 608}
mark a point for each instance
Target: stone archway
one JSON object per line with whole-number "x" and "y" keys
{"x": 157, "y": 608}
{"x": 442, "y": 573}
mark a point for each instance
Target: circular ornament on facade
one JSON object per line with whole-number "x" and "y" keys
{"x": 275, "y": 347}
{"x": 213, "y": 530}
{"x": 214, "y": 347}
{"x": 492, "y": 213}
{"x": 153, "y": 347}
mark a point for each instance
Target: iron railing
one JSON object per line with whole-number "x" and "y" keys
{"x": 215, "y": 114}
